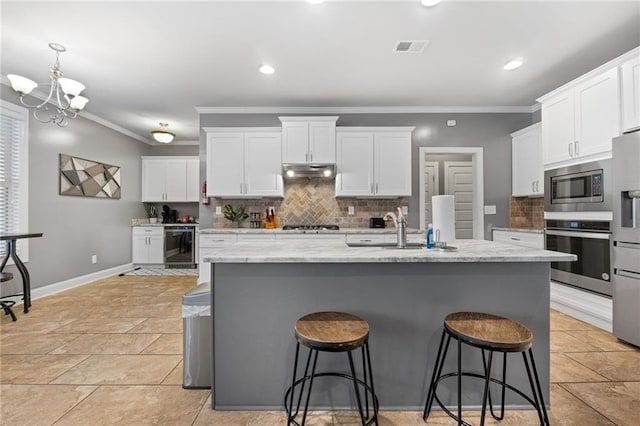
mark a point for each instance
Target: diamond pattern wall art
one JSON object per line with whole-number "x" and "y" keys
{"x": 86, "y": 178}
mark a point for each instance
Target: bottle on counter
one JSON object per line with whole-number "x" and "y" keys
{"x": 430, "y": 243}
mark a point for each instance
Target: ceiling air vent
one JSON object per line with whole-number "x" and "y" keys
{"x": 410, "y": 46}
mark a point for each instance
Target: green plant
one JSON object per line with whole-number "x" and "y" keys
{"x": 235, "y": 214}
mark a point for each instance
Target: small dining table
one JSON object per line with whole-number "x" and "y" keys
{"x": 11, "y": 251}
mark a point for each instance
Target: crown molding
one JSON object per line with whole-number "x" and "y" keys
{"x": 366, "y": 110}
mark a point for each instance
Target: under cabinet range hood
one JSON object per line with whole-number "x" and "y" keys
{"x": 293, "y": 171}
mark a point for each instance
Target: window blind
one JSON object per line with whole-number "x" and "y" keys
{"x": 13, "y": 174}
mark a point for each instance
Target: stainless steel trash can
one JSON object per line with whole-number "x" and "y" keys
{"x": 197, "y": 338}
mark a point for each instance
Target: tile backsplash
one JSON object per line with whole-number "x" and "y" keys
{"x": 313, "y": 201}
{"x": 527, "y": 213}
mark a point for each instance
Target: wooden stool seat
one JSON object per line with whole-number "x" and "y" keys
{"x": 332, "y": 331}
{"x": 5, "y": 276}
{"x": 489, "y": 331}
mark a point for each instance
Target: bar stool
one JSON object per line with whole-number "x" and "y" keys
{"x": 6, "y": 305}
{"x": 332, "y": 332}
{"x": 490, "y": 333}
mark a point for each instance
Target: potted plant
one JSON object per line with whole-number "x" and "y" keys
{"x": 235, "y": 214}
{"x": 153, "y": 217}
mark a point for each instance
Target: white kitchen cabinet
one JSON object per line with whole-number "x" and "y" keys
{"x": 333, "y": 237}
{"x": 631, "y": 93}
{"x": 210, "y": 244}
{"x": 519, "y": 238}
{"x": 147, "y": 245}
{"x": 308, "y": 140}
{"x": 244, "y": 162}
{"x": 373, "y": 162}
{"x": 579, "y": 121}
{"x": 527, "y": 172}
{"x": 169, "y": 179}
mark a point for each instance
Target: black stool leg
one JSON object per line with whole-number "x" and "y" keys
{"x": 8, "y": 310}
{"x": 355, "y": 387}
{"x": 543, "y": 407}
{"x": 459, "y": 382}
{"x": 533, "y": 389}
{"x": 487, "y": 379}
{"x": 373, "y": 390}
{"x": 437, "y": 368}
{"x": 366, "y": 393}
{"x": 290, "y": 414}
{"x": 504, "y": 377}
{"x": 313, "y": 372}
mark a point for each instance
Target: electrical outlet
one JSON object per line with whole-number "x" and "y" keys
{"x": 352, "y": 210}
{"x": 218, "y": 211}
{"x": 489, "y": 209}
{"x": 272, "y": 208}
{"x": 94, "y": 259}
{"x": 405, "y": 210}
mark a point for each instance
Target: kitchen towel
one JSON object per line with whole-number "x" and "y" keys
{"x": 444, "y": 218}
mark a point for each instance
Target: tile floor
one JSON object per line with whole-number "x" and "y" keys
{"x": 111, "y": 353}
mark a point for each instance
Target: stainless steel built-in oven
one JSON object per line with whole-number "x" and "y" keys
{"x": 579, "y": 188}
{"x": 588, "y": 239}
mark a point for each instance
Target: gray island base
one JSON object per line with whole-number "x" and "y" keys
{"x": 260, "y": 290}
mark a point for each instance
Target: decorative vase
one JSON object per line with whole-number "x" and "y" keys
{"x": 235, "y": 224}
{"x": 153, "y": 219}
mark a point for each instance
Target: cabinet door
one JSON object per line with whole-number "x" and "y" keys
{"x": 597, "y": 114}
{"x": 558, "y": 132}
{"x": 176, "y": 180}
{"x": 526, "y": 165}
{"x": 193, "y": 179}
{"x": 322, "y": 142}
{"x": 295, "y": 142}
{"x": 139, "y": 250}
{"x": 354, "y": 160}
{"x": 631, "y": 94}
{"x": 153, "y": 179}
{"x": 156, "y": 249}
{"x": 263, "y": 164}
{"x": 225, "y": 164}
{"x": 392, "y": 154}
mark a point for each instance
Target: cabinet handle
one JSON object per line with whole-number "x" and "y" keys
{"x": 311, "y": 157}
{"x": 306, "y": 157}
{"x": 372, "y": 189}
{"x": 533, "y": 186}
{"x": 241, "y": 188}
{"x": 537, "y": 186}
{"x": 577, "y": 150}
{"x": 246, "y": 186}
{"x": 376, "y": 188}
{"x": 570, "y": 150}
{"x": 515, "y": 239}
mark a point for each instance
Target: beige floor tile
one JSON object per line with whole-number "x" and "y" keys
{"x": 616, "y": 366}
{"x": 175, "y": 377}
{"x": 167, "y": 344}
{"x": 567, "y": 410}
{"x": 120, "y": 369}
{"x": 159, "y": 325}
{"x": 38, "y": 405}
{"x": 33, "y": 343}
{"x": 35, "y": 369}
{"x": 566, "y": 341}
{"x": 100, "y": 325}
{"x": 562, "y": 322}
{"x": 120, "y": 343}
{"x": 28, "y": 323}
{"x": 137, "y": 405}
{"x": 565, "y": 369}
{"x": 602, "y": 340}
{"x": 150, "y": 310}
{"x": 619, "y": 402}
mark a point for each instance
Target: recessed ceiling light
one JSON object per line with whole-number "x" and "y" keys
{"x": 267, "y": 69}
{"x": 430, "y": 3}
{"x": 513, "y": 64}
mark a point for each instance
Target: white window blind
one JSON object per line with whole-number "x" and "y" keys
{"x": 14, "y": 174}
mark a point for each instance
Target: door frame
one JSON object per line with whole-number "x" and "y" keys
{"x": 478, "y": 183}
{"x": 423, "y": 166}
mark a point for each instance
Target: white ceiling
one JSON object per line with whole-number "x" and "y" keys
{"x": 145, "y": 62}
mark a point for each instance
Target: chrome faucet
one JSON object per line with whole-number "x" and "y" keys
{"x": 401, "y": 226}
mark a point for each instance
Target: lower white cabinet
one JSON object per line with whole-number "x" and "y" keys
{"x": 147, "y": 245}
{"x": 517, "y": 238}
{"x": 208, "y": 245}
{"x": 299, "y": 237}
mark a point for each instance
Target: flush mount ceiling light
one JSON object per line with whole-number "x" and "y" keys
{"x": 162, "y": 133}
{"x": 513, "y": 64}
{"x": 267, "y": 69}
{"x": 64, "y": 105}
{"x": 430, "y": 3}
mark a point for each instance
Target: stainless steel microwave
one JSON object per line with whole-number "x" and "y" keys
{"x": 583, "y": 187}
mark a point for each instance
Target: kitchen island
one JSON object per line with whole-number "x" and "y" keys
{"x": 259, "y": 290}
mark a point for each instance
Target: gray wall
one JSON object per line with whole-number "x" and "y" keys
{"x": 489, "y": 131}
{"x": 168, "y": 150}
{"x": 77, "y": 227}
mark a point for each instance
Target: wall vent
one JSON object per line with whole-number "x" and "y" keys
{"x": 410, "y": 46}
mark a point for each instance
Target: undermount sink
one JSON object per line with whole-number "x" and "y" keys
{"x": 387, "y": 245}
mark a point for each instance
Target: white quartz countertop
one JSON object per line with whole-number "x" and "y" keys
{"x": 526, "y": 230}
{"x": 390, "y": 230}
{"x": 311, "y": 251}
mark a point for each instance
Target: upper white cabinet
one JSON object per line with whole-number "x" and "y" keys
{"x": 631, "y": 93}
{"x": 373, "y": 161}
{"x": 579, "y": 122}
{"x": 308, "y": 140}
{"x": 170, "y": 179}
{"x": 527, "y": 173}
{"x": 244, "y": 162}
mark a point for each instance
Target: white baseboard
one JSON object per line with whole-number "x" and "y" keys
{"x": 58, "y": 287}
{"x": 588, "y": 307}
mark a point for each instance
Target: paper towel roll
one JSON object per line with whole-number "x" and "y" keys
{"x": 444, "y": 218}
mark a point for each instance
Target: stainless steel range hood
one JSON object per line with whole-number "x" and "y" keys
{"x": 293, "y": 171}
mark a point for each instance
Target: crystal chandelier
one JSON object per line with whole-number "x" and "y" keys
{"x": 63, "y": 105}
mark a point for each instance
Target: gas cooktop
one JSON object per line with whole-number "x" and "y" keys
{"x": 310, "y": 228}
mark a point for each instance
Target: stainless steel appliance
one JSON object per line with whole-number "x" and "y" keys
{"x": 178, "y": 247}
{"x": 579, "y": 188}
{"x": 589, "y": 240}
{"x": 626, "y": 237}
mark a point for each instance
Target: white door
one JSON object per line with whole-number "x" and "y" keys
{"x": 193, "y": 179}
{"x": 392, "y": 156}
{"x": 431, "y": 188}
{"x": 458, "y": 181}
{"x": 176, "y": 180}
{"x": 322, "y": 142}
{"x": 295, "y": 142}
{"x": 225, "y": 164}
{"x": 558, "y": 132}
{"x": 631, "y": 93}
{"x": 354, "y": 161}
{"x": 139, "y": 249}
{"x": 153, "y": 179}
{"x": 263, "y": 166}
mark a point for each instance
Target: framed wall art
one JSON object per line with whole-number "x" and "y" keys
{"x": 85, "y": 178}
